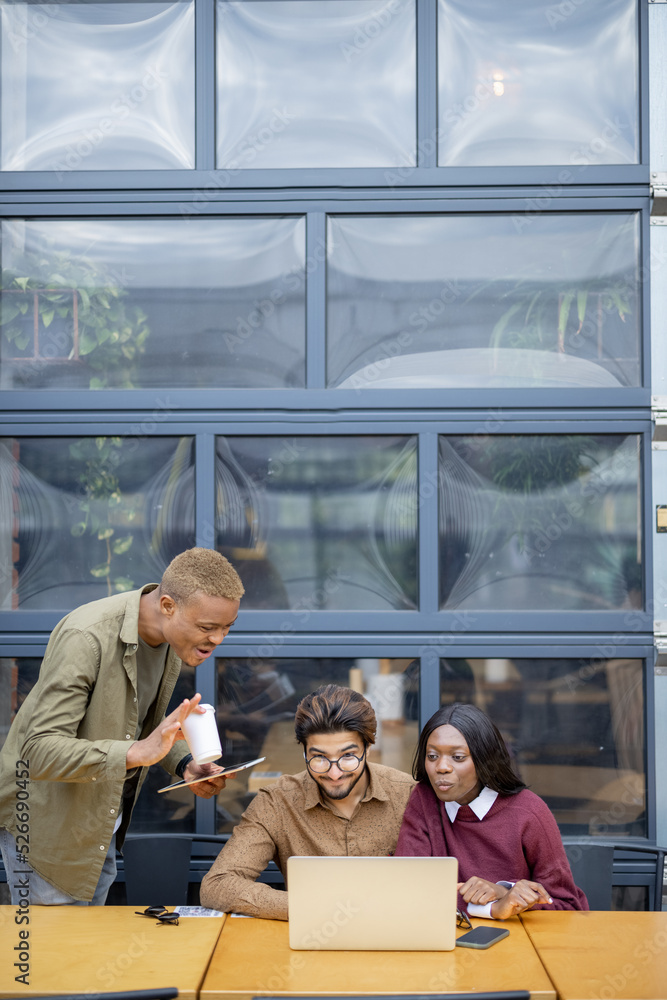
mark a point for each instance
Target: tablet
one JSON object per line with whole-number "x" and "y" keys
{"x": 232, "y": 769}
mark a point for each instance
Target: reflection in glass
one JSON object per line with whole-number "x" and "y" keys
{"x": 256, "y": 701}
{"x": 540, "y": 522}
{"x": 82, "y": 518}
{"x": 17, "y": 678}
{"x": 184, "y": 303}
{"x": 538, "y": 83}
{"x": 320, "y": 523}
{"x": 316, "y": 83}
{"x": 483, "y": 301}
{"x": 575, "y": 728}
{"x": 97, "y": 86}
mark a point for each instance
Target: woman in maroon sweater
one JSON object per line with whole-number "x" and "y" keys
{"x": 471, "y": 805}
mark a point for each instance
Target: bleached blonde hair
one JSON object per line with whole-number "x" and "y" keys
{"x": 203, "y": 570}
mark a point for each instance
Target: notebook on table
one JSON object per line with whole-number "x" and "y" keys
{"x": 372, "y": 904}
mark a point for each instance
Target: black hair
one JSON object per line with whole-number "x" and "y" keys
{"x": 487, "y": 747}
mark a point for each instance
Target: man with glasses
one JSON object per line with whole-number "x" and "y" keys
{"x": 339, "y": 805}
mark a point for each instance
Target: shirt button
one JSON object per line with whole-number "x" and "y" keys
{"x": 134, "y": 700}
{"x": 112, "y": 811}
{"x": 94, "y": 779}
{"x": 102, "y": 847}
{"x": 128, "y": 737}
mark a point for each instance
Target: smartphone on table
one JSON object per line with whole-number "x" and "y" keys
{"x": 481, "y": 937}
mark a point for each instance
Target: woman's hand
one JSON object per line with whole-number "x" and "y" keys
{"x": 520, "y": 897}
{"x": 478, "y": 890}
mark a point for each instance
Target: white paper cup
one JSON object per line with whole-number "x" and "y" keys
{"x": 201, "y": 734}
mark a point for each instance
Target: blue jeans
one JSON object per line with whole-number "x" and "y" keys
{"x": 41, "y": 892}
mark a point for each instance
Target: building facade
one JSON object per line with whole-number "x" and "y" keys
{"x": 360, "y": 293}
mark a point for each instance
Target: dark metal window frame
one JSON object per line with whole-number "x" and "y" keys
{"x": 428, "y": 427}
{"x": 428, "y": 649}
{"x": 315, "y": 396}
{"x": 426, "y": 174}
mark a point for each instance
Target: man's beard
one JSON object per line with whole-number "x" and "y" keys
{"x": 341, "y": 793}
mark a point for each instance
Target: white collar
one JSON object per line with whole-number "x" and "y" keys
{"x": 480, "y": 806}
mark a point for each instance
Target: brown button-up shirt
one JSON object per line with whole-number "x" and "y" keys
{"x": 289, "y": 818}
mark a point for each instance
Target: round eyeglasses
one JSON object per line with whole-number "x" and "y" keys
{"x": 320, "y": 764}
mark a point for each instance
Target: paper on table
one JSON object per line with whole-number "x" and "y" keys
{"x": 197, "y": 911}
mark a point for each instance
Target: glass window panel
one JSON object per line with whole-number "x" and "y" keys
{"x": 541, "y": 522}
{"x": 533, "y": 83}
{"x": 174, "y": 812}
{"x": 316, "y": 83}
{"x": 631, "y": 897}
{"x": 83, "y": 517}
{"x": 154, "y": 303}
{"x": 575, "y": 728}
{"x": 97, "y": 86}
{"x": 320, "y": 523}
{"x": 483, "y": 301}
{"x": 657, "y": 32}
{"x": 256, "y": 701}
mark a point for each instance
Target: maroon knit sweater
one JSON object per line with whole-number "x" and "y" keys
{"x": 518, "y": 838}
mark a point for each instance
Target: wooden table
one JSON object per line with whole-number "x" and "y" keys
{"x": 253, "y": 958}
{"x": 78, "y": 949}
{"x": 602, "y": 954}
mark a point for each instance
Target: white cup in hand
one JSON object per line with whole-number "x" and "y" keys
{"x": 201, "y": 734}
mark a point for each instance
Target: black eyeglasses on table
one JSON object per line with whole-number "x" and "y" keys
{"x": 462, "y": 920}
{"x": 161, "y": 914}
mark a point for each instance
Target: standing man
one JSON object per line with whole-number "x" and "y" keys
{"x": 95, "y": 721}
{"x": 340, "y": 805}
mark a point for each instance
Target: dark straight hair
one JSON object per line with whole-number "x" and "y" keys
{"x": 335, "y": 709}
{"x": 487, "y": 747}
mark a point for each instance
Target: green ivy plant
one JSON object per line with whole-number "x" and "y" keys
{"x": 101, "y": 504}
{"x": 112, "y": 334}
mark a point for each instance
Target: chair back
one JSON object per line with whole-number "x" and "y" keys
{"x": 157, "y": 870}
{"x": 592, "y": 867}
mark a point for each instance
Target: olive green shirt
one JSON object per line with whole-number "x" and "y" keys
{"x": 73, "y": 732}
{"x": 290, "y": 818}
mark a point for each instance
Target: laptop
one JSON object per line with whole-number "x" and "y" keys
{"x": 372, "y": 904}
